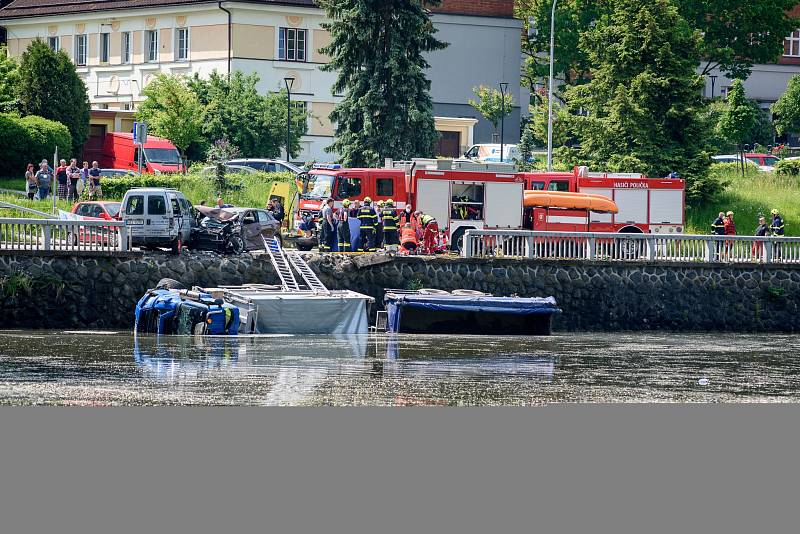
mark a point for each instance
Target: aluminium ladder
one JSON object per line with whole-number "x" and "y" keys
{"x": 309, "y": 277}
{"x": 281, "y": 264}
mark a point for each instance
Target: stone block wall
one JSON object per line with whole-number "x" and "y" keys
{"x": 101, "y": 292}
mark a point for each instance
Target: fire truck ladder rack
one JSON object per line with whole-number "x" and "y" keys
{"x": 311, "y": 280}
{"x": 281, "y": 264}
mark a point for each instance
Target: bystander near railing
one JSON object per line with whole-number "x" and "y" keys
{"x": 60, "y": 235}
{"x": 603, "y": 246}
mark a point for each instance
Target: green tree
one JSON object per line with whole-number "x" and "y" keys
{"x": 644, "y": 98}
{"x": 734, "y": 34}
{"x": 172, "y": 110}
{"x": 787, "y": 109}
{"x": 538, "y": 123}
{"x": 739, "y": 117}
{"x": 377, "y": 50}
{"x": 9, "y": 82}
{"x": 254, "y": 123}
{"x": 49, "y": 86}
{"x": 492, "y": 104}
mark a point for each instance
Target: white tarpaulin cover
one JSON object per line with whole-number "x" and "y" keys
{"x": 287, "y": 313}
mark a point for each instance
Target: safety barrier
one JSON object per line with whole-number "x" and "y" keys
{"x": 72, "y": 236}
{"x": 630, "y": 247}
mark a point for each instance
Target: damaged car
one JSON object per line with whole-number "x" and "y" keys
{"x": 233, "y": 230}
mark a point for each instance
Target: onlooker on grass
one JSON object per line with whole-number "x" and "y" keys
{"x": 94, "y": 181}
{"x": 63, "y": 179}
{"x": 44, "y": 178}
{"x": 31, "y": 188}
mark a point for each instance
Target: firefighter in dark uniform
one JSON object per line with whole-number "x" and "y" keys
{"x": 718, "y": 228}
{"x": 391, "y": 241}
{"x": 777, "y": 230}
{"x": 343, "y": 216}
{"x": 369, "y": 223}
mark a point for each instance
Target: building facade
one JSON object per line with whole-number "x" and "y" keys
{"x": 119, "y": 46}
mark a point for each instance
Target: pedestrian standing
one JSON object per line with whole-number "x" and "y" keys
{"x": 718, "y": 228}
{"x": 95, "y": 190}
{"x": 379, "y": 225}
{"x": 343, "y": 217}
{"x": 30, "y": 182}
{"x": 368, "y": 224}
{"x": 44, "y": 179}
{"x": 328, "y": 237}
{"x": 730, "y": 229}
{"x": 275, "y": 208}
{"x": 355, "y": 225}
{"x": 390, "y": 221}
{"x": 777, "y": 229}
{"x": 74, "y": 175}
{"x": 63, "y": 180}
{"x": 83, "y": 187}
{"x": 762, "y": 230}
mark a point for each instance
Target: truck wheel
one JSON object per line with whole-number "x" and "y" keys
{"x": 457, "y": 243}
{"x": 169, "y": 283}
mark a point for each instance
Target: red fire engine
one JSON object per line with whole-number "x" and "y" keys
{"x": 461, "y": 200}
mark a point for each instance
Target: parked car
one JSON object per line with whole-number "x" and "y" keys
{"x": 267, "y": 165}
{"x": 229, "y": 169}
{"x": 94, "y": 211}
{"x": 765, "y": 162}
{"x": 234, "y": 230}
{"x": 117, "y": 173}
{"x": 490, "y": 153}
{"x": 158, "y": 217}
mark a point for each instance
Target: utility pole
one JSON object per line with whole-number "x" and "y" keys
{"x": 550, "y": 90}
{"x": 503, "y": 89}
{"x": 289, "y": 83}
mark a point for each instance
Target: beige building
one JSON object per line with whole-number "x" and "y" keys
{"x": 120, "y": 45}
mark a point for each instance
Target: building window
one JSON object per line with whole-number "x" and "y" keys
{"x": 791, "y": 46}
{"x": 182, "y": 44}
{"x": 105, "y": 43}
{"x": 151, "y": 46}
{"x": 127, "y": 47}
{"x": 292, "y": 44}
{"x": 80, "y": 50}
{"x": 53, "y": 43}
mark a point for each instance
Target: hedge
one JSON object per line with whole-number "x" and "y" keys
{"x": 117, "y": 187}
{"x": 29, "y": 140}
{"x": 788, "y": 168}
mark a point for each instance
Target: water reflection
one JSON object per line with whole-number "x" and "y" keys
{"x": 76, "y": 368}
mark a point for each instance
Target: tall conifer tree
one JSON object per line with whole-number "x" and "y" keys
{"x": 377, "y": 50}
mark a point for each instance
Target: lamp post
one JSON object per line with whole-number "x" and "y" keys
{"x": 289, "y": 83}
{"x": 503, "y": 89}
{"x": 550, "y": 89}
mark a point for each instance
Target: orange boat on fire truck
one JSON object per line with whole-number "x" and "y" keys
{"x": 462, "y": 200}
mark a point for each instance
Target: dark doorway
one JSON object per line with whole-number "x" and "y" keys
{"x": 93, "y": 149}
{"x": 449, "y": 144}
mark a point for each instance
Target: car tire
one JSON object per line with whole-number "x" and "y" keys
{"x": 303, "y": 248}
{"x": 236, "y": 244}
{"x": 170, "y": 283}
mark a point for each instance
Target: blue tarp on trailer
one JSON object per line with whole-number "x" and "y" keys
{"x": 511, "y": 311}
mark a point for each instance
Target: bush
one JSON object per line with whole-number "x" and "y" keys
{"x": 29, "y": 140}
{"x": 788, "y": 168}
{"x": 117, "y": 187}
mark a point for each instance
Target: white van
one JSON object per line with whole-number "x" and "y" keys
{"x": 157, "y": 217}
{"x": 490, "y": 153}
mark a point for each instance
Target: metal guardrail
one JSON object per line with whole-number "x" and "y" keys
{"x": 630, "y": 247}
{"x": 72, "y": 236}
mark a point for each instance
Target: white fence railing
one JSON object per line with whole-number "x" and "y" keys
{"x": 72, "y": 236}
{"x": 630, "y": 247}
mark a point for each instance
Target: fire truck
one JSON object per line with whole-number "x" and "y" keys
{"x": 462, "y": 200}
{"x": 646, "y": 205}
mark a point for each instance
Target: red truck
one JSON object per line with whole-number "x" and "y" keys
{"x": 462, "y": 200}
{"x": 159, "y": 156}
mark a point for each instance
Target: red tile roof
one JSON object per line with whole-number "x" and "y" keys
{"x": 36, "y": 8}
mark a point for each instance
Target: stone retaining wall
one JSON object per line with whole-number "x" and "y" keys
{"x": 101, "y": 292}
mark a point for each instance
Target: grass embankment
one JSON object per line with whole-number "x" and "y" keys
{"x": 757, "y": 193}
{"x": 245, "y": 191}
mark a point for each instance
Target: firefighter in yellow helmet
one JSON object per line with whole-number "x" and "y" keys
{"x": 343, "y": 216}
{"x": 369, "y": 222}
{"x": 390, "y": 221}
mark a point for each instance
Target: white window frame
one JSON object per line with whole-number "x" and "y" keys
{"x": 295, "y": 53}
{"x": 54, "y": 42}
{"x": 794, "y": 44}
{"x": 126, "y": 45}
{"x": 178, "y": 55}
{"x": 105, "y": 47}
{"x": 151, "y": 46}
{"x": 81, "y": 51}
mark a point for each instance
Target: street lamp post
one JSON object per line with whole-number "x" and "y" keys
{"x": 503, "y": 89}
{"x": 289, "y": 83}
{"x": 550, "y": 89}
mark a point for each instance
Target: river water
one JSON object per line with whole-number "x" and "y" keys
{"x": 107, "y": 368}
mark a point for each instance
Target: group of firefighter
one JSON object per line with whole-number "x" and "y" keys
{"x": 360, "y": 226}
